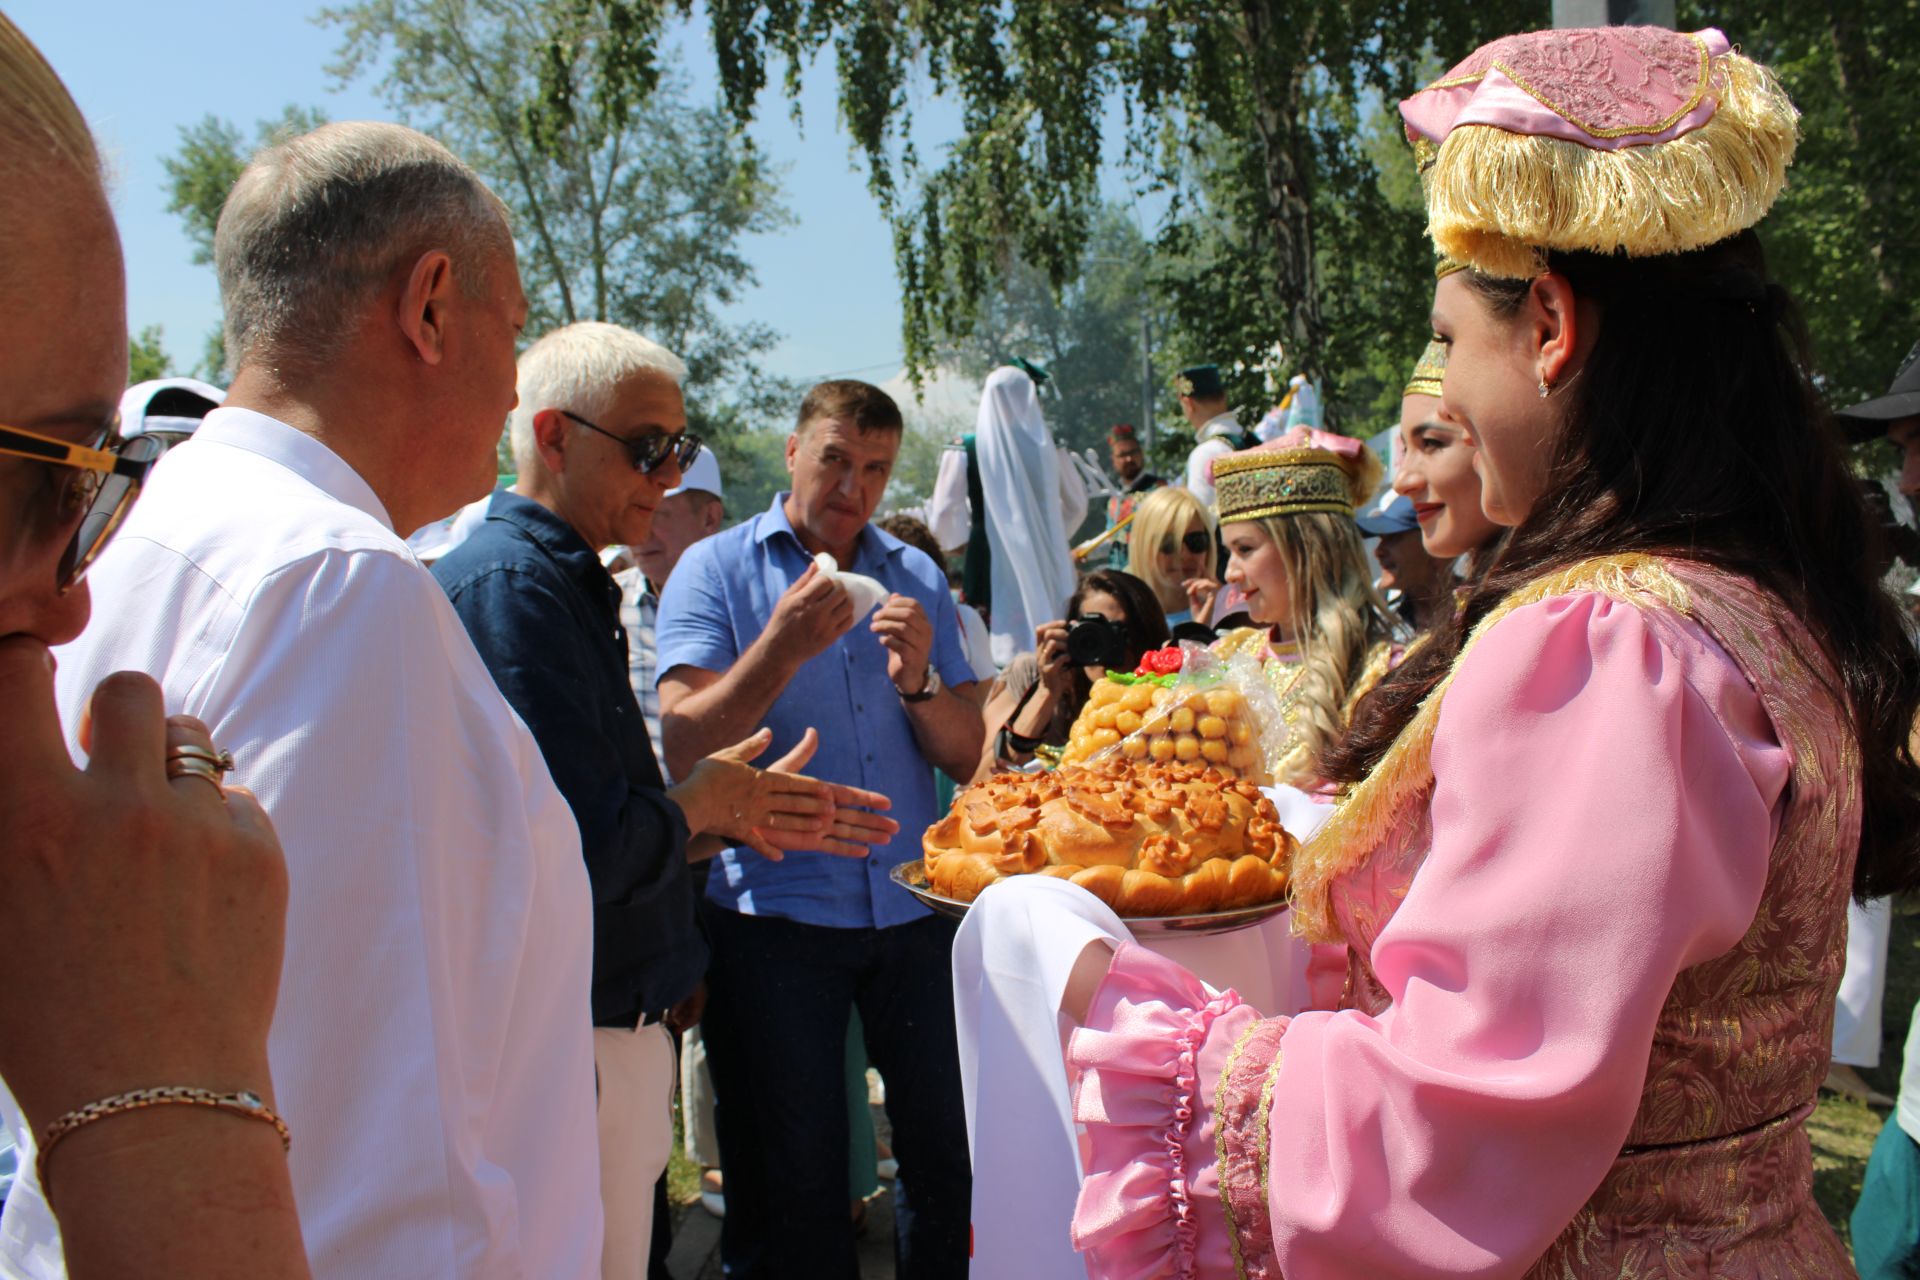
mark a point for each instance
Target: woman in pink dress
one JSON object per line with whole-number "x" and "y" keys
{"x": 1593, "y": 890}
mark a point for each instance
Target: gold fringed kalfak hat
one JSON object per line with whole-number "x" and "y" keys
{"x": 1634, "y": 140}
{"x": 1299, "y": 472}
{"x": 1429, "y": 372}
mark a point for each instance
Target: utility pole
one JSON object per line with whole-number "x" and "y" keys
{"x": 1613, "y": 13}
{"x": 1146, "y": 377}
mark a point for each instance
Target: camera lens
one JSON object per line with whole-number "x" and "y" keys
{"x": 1093, "y": 641}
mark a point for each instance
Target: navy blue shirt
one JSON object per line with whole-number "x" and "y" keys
{"x": 545, "y": 616}
{"x": 715, "y": 605}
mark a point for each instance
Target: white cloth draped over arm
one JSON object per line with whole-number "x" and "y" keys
{"x": 1011, "y": 961}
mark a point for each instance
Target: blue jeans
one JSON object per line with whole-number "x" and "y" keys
{"x": 779, "y": 994}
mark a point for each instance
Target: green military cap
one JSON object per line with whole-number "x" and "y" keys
{"x": 1202, "y": 382}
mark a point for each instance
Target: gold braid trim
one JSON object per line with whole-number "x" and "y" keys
{"x": 1220, "y": 1145}
{"x": 1496, "y": 200}
{"x": 1370, "y": 812}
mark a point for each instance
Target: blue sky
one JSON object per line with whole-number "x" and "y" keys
{"x": 141, "y": 71}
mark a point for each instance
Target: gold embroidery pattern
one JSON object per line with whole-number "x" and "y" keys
{"x": 1220, "y": 1145}
{"x": 1241, "y": 1103}
{"x": 1703, "y": 79}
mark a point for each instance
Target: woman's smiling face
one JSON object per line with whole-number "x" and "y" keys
{"x": 1491, "y": 394}
{"x": 1256, "y": 565}
{"x": 1436, "y": 474}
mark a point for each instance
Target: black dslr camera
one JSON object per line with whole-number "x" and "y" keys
{"x": 1095, "y": 641}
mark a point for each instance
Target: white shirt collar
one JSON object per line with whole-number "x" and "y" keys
{"x": 295, "y": 450}
{"x": 1220, "y": 424}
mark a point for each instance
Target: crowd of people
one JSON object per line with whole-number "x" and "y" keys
{"x": 436, "y": 845}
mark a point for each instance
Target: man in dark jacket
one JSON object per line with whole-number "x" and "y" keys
{"x": 599, "y": 436}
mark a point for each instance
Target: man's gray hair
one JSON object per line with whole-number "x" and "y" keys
{"x": 317, "y": 223}
{"x": 579, "y": 367}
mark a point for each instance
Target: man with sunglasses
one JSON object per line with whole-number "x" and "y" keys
{"x": 599, "y": 437}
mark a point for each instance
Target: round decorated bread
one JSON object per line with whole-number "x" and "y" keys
{"x": 1146, "y": 718}
{"x": 1147, "y": 839}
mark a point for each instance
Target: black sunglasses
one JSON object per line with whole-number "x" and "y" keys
{"x": 1196, "y": 542}
{"x": 649, "y": 453}
{"x": 107, "y": 478}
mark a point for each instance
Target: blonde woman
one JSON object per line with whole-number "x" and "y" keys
{"x": 1286, "y": 511}
{"x": 1171, "y": 550}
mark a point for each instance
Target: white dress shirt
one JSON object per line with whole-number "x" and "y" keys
{"x": 432, "y": 1046}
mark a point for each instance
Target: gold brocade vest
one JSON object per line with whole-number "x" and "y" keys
{"x": 1716, "y": 1175}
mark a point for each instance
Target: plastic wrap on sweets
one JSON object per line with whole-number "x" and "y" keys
{"x": 1183, "y": 706}
{"x": 1147, "y": 839}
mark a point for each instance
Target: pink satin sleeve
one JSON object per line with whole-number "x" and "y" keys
{"x": 1604, "y": 805}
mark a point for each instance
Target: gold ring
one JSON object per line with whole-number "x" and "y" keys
{"x": 220, "y": 761}
{"x": 195, "y": 767}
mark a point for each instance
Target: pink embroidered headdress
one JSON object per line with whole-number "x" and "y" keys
{"x": 1636, "y": 140}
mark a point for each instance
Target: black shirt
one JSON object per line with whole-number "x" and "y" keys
{"x": 545, "y": 616}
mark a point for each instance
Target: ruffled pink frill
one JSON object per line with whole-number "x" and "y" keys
{"x": 1147, "y": 1063}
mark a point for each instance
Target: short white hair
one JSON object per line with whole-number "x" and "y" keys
{"x": 578, "y": 368}
{"x": 317, "y": 223}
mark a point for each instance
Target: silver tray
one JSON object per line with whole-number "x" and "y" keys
{"x": 912, "y": 876}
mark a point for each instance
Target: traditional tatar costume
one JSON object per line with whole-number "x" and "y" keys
{"x": 1299, "y": 473}
{"x": 1594, "y": 896}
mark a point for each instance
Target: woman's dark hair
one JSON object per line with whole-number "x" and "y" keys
{"x": 1144, "y": 629}
{"x": 1694, "y": 432}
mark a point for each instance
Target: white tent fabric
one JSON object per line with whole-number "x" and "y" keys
{"x": 1020, "y": 481}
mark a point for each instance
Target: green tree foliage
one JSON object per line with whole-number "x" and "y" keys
{"x": 629, "y": 205}
{"x": 147, "y": 357}
{"x": 1843, "y": 237}
{"x": 1087, "y": 335}
{"x": 1249, "y": 94}
{"x": 211, "y": 156}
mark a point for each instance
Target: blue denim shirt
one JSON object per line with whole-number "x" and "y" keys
{"x": 544, "y": 614}
{"x": 718, "y": 601}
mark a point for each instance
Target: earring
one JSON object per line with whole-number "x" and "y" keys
{"x": 1545, "y": 389}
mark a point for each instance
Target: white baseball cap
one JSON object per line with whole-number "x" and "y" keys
{"x": 703, "y": 475}
{"x": 172, "y": 405}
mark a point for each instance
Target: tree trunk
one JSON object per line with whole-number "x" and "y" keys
{"x": 1273, "y": 41}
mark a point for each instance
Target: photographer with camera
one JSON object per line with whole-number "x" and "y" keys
{"x": 1112, "y": 618}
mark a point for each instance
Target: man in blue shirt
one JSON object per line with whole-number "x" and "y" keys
{"x": 752, "y": 631}
{"x": 543, "y": 613}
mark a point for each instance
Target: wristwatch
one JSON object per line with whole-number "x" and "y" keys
{"x": 930, "y": 689}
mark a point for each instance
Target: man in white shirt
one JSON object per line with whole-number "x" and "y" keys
{"x": 432, "y": 1046}
{"x": 1217, "y": 432}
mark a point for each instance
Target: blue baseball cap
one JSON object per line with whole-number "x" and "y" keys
{"x": 1396, "y": 517}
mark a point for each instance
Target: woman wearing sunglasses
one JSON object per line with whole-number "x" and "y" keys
{"x": 1171, "y": 550}
{"x": 146, "y": 899}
